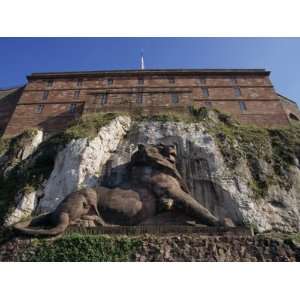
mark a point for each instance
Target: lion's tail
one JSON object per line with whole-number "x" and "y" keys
{"x": 23, "y": 227}
{"x": 60, "y": 228}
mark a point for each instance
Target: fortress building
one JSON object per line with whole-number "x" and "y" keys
{"x": 52, "y": 100}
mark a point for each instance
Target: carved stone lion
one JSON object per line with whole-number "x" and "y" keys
{"x": 154, "y": 186}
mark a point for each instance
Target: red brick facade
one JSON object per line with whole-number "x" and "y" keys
{"x": 291, "y": 108}
{"x": 53, "y": 100}
{"x": 8, "y": 101}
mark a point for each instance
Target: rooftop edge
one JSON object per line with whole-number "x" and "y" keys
{"x": 148, "y": 71}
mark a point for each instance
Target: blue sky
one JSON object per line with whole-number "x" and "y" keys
{"x": 22, "y": 56}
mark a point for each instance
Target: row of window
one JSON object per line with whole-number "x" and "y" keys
{"x": 242, "y": 104}
{"x": 139, "y": 99}
{"x": 103, "y": 98}
{"x": 40, "y": 108}
{"x": 237, "y": 93}
{"x": 110, "y": 81}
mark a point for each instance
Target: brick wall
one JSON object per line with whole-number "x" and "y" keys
{"x": 291, "y": 109}
{"x": 8, "y": 102}
{"x": 51, "y": 101}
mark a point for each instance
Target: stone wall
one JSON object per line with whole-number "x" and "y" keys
{"x": 8, "y": 101}
{"x": 291, "y": 108}
{"x": 53, "y": 102}
{"x": 159, "y": 248}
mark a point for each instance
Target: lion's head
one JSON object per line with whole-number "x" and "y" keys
{"x": 160, "y": 154}
{"x": 159, "y": 157}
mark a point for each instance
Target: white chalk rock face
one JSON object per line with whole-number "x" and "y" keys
{"x": 26, "y": 204}
{"x": 80, "y": 163}
{"x": 31, "y": 147}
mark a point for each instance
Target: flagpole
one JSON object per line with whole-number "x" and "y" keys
{"x": 142, "y": 61}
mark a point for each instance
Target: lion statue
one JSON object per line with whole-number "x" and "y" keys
{"x": 154, "y": 186}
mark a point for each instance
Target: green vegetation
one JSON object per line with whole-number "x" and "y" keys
{"x": 286, "y": 151}
{"x": 76, "y": 247}
{"x": 278, "y": 149}
{"x": 88, "y": 125}
{"x": 11, "y": 146}
{"x": 170, "y": 117}
{"x": 4, "y": 144}
{"x": 193, "y": 115}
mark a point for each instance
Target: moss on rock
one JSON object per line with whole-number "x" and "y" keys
{"x": 88, "y": 125}
{"x": 4, "y": 144}
{"x": 151, "y": 247}
{"x": 76, "y": 247}
{"x": 278, "y": 148}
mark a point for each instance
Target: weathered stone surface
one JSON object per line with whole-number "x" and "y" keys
{"x": 29, "y": 148}
{"x": 26, "y": 203}
{"x": 79, "y": 164}
{"x": 25, "y": 145}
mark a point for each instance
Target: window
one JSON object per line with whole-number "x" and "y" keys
{"x": 76, "y": 94}
{"x": 45, "y": 95}
{"x": 39, "y": 108}
{"x": 243, "y": 106}
{"x": 172, "y": 80}
{"x": 141, "y": 81}
{"x": 233, "y": 80}
{"x": 174, "y": 98}
{"x": 237, "y": 92}
{"x": 139, "y": 98}
{"x": 202, "y": 80}
{"x": 205, "y": 92}
{"x": 103, "y": 99}
{"x": 110, "y": 81}
{"x": 79, "y": 82}
{"x": 72, "y": 108}
{"x": 49, "y": 83}
{"x": 208, "y": 104}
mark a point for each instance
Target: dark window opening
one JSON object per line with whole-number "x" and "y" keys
{"x": 79, "y": 82}
{"x": 171, "y": 80}
{"x": 208, "y": 104}
{"x": 39, "y": 108}
{"x": 175, "y": 98}
{"x": 243, "y": 106}
{"x": 49, "y": 83}
{"x": 110, "y": 81}
{"x": 141, "y": 81}
{"x": 45, "y": 95}
{"x": 72, "y": 107}
{"x": 76, "y": 94}
{"x": 139, "y": 98}
{"x": 103, "y": 99}
{"x": 233, "y": 80}
{"x": 293, "y": 117}
{"x": 202, "y": 80}
{"x": 205, "y": 92}
{"x": 237, "y": 92}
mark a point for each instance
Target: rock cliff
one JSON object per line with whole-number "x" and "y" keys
{"x": 248, "y": 174}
